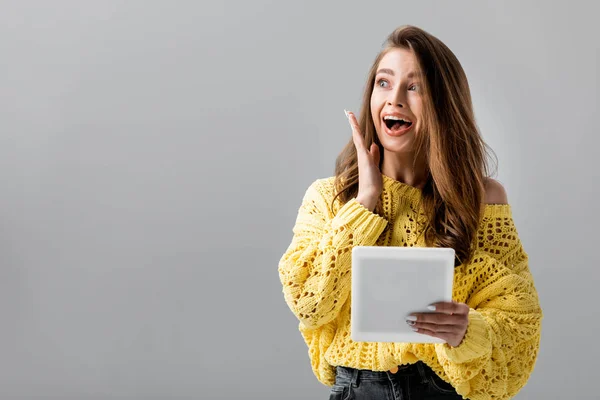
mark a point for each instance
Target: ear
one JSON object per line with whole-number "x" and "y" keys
{"x": 495, "y": 192}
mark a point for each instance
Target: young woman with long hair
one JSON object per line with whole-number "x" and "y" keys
{"x": 415, "y": 173}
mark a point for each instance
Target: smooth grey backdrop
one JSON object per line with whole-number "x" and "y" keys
{"x": 153, "y": 156}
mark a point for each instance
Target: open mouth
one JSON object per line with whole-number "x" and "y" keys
{"x": 396, "y": 125}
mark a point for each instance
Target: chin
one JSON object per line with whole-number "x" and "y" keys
{"x": 399, "y": 149}
{"x": 403, "y": 144}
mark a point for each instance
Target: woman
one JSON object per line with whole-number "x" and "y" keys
{"x": 415, "y": 174}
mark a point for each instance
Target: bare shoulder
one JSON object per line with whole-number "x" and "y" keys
{"x": 495, "y": 192}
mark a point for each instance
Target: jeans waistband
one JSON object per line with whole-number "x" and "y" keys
{"x": 357, "y": 375}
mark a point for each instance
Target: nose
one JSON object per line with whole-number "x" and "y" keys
{"x": 396, "y": 98}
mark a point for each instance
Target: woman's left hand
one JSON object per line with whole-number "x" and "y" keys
{"x": 447, "y": 321}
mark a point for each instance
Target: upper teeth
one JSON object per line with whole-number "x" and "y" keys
{"x": 395, "y": 118}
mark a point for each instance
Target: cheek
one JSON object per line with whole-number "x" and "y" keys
{"x": 416, "y": 107}
{"x": 375, "y": 109}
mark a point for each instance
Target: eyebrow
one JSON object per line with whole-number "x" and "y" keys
{"x": 391, "y": 72}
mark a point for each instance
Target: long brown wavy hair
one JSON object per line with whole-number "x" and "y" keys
{"x": 447, "y": 137}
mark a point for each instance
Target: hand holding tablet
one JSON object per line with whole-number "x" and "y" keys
{"x": 448, "y": 322}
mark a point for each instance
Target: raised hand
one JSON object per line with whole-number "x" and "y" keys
{"x": 370, "y": 183}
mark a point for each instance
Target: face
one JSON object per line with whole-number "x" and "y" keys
{"x": 397, "y": 91}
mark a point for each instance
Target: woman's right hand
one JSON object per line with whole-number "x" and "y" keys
{"x": 370, "y": 183}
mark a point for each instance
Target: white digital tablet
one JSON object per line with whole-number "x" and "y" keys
{"x": 389, "y": 283}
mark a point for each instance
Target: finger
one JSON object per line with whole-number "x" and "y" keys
{"x": 435, "y": 318}
{"x": 450, "y": 307}
{"x": 446, "y": 337}
{"x": 375, "y": 153}
{"x": 358, "y": 139}
{"x": 435, "y": 327}
{"x": 359, "y": 142}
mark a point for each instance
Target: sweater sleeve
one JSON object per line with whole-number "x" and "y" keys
{"x": 500, "y": 348}
{"x": 315, "y": 269}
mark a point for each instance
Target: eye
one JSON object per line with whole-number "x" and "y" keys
{"x": 379, "y": 81}
{"x": 413, "y": 86}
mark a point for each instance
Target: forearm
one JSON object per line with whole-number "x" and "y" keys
{"x": 505, "y": 315}
{"x": 315, "y": 270}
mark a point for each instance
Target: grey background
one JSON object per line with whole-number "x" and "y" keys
{"x": 153, "y": 156}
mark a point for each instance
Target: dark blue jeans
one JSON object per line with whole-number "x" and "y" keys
{"x": 411, "y": 382}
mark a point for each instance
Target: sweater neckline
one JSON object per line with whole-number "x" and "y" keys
{"x": 401, "y": 188}
{"x": 414, "y": 194}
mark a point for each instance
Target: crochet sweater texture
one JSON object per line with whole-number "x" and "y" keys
{"x": 500, "y": 348}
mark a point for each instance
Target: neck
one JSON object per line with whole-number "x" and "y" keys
{"x": 403, "y": 168}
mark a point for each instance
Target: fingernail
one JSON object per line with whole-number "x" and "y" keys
{"x": 411, "y": 318}
{"x": 411, "y": 323}
{"x": 346, "y": 112}
{"x": 432, "y": 308}
{"x": 415, "y": 329}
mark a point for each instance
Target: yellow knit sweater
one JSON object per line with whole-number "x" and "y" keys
{"x": 499, "y": 351}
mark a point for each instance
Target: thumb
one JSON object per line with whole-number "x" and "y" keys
{"x": 375, "y": 153}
